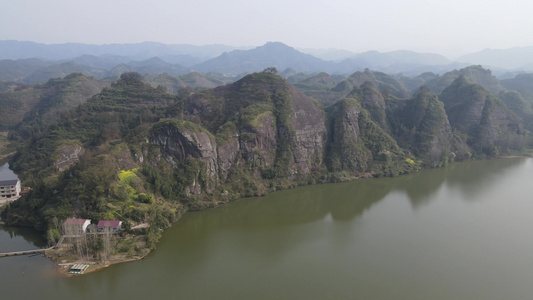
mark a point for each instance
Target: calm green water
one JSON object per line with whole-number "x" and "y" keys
{"x": 462, "y": 232}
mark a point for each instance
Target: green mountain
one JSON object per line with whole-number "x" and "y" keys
{"x": 414, "y": 83}
{"x": 132, "y": 143}
{"x": 475, "y": 74}
{"x": 489, "y": 124}
{"x": 421, "y": 125}
{"x": 385, "y": 83}
{"x": 522, "y": 83}
{"x": 61, "y": 70}
{"x": 74, "y": 166}
{"x": 194, "y": 81}
{"x": 56, "y": 97}
{"x": 519, "y": 106}
{"x": 22, "y": 106}
{"x": 153, "y": 65}
{"x": 15, "y": 101}
{"x": 136, "y": 153}
{"x": 18, "y": 70}
{"x": 360, "y": 146}
{"x": 317, "y": 82}
{"x": 272, "y": 54}
{"x": 318, "y": 86}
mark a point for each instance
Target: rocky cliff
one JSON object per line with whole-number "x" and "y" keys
{"x": 422, "y": 127}
{"x": 136, "y": 153}
{"x": 276, "y": 131}
{"x": 474, "y": 111}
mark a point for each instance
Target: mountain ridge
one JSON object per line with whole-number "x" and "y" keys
{"x": 133, "y": 152}
{"x": 512, "y": 58}
{"x": 226, "y": 59}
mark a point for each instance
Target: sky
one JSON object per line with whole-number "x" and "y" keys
{"x": 448, "y": 27}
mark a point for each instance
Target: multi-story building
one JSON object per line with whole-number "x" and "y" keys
{"x": 9, "y": 189}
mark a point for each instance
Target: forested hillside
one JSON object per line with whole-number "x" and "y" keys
{"x": 134, "y": 152}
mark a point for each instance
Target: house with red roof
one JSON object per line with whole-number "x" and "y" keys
{"x": 109, "y": 225}
{"x": 74, "y": 226}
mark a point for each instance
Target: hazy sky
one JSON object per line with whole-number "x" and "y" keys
{"x": 448, "y": 27}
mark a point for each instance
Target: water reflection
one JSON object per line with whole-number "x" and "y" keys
{"x": 347, "y": 201}
{"x": 16, "y": 238}
{"x": 281, "y": 213}
{"x": 472, "y": 178}
{"x": 339, "y": 240}
{"x": 468, "y": 178}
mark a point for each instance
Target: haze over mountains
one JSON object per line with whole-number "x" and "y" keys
{"x": 31, "y": 62}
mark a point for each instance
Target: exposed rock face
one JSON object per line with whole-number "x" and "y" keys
{"x": 309, "y": 125}
{"x": 425, "y": 128}
{"x": 227, "y": 155}
{"x": 254, "y": 136}
{"x": 373, "y": 101}
{"x": 498, "y": 126}
{"x": 464, "y": 110}
{"x": 358, "y": 142}
{"x": 258, "y": 144}
{"x": 474, "y": 111}
{"x": 179, "y": 142}
{"x": 267, "y": 110}
{"x": 371, "y": 97}
{"x": 276, "y": 129}
{"x": 346, "y": 135}
{"x": 67, "y": 155}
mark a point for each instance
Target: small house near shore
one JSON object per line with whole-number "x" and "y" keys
{"x": 75, "y": 226}
{"x": 109, "y": 225}
{"x": 9, "y": 189}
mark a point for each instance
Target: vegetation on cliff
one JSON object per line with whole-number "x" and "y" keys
{"x": 490, "y": 126}
{"x": 421, "y": 126}
{"x": 135, "y": 153}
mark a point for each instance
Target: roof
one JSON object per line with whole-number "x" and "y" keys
{"x": 108, "y": 223}
{"x": 71, "y": 221}
{"x": 9, "y": 182}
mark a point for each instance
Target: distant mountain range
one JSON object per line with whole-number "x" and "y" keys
{"x": 514, "y": 58}
{"x": 34, "y": 63}
{"x": 272, "y": 54}
{"x": 140, "y": 51}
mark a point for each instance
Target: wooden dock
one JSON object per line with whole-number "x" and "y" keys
{"x": 35, "y": 251}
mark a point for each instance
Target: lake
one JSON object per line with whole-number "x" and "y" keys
{"x": 460, "y": 232}
{"x": 6, "y": 173}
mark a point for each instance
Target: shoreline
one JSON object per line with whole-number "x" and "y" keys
{"x": 64, "y": 257}
{"x": 63, "y": 266}
{"x": 63, "y": 263}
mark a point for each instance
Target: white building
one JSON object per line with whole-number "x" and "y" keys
{"x": 9, "y": 189}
